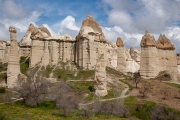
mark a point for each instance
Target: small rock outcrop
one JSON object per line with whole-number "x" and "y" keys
{"x": 100, "y": 75}
{"x": 149, "y": 57}
{"x": 13, "y": 69}
{"x": 121, "y": 57}
{"x": 164, "y": 43}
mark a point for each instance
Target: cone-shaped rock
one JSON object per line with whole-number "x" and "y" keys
{"x": 119, "y": 42}
{"x": 164, "y": 43}
{"x": 90, "y": 30}
{"x": 148, "y": 40}
{"x": 26, "y": 40}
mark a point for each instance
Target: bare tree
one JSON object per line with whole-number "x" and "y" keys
{"x": 145, "y": 87}
{"x": 66, "y": 98}
{"x": 34, "y": 91}
{"x": 162, "y": 113}
{"x": 136, "y": 78}
{"x": 165, "y": 93}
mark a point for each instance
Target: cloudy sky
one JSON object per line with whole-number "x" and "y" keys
{"x": 128, "y": 19}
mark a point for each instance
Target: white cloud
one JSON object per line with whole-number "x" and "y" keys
{"x": 69, "y": 23}
{"x": 15, "y": 15}
{"x": 50, "y": 30}
{"x": 129, "y": 40}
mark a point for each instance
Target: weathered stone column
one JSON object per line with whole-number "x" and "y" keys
{"x": 100, "y": 74}
{"x": 121, "y": 59}
{"x": 13, "y": 69}
{"x": 149, "y": 67}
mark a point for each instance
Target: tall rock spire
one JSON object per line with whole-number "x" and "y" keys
{"x": 13, "y": 69}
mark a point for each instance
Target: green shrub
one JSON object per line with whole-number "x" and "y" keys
{"x": 2, "y": 89}
{"x": 24, "y": 64}
{"x": 47, "y": 104}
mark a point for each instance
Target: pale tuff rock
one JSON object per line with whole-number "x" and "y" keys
{"x": 135, "y": 54}
{"x": 25, "y": 42}
{"x": 164, "y": 43}
{"x": 112, "y": 58}
{"x": 149, "y": 57}
{"x": 88, "y": 40}
{"x": 121, "y": 57}
{"x": 40, "y": 33}
{"x": 7, "y": 51}
{"x": 61, "y": 48}
{"x": 45, "y": 57}
{"x": 13, "y": 69}
{"x": 148, "y": 40}
{"x": 38, "y": 44}
{"x": 90, "y": 30}
{"x": 119, "y": 42}
{"x": 2, "y": 51}
{"x": 100, "y": 74}
{"x": 167, "y": 57}
{"x": 131, "y": 65}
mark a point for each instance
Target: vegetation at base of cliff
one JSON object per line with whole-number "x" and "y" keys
{"x": 24, "y": 64}
{"x": 174, "y": 85}
{"x": 3, "y": 67}
{"x": 64, "y": 74}
{"x": 2, "y": 89}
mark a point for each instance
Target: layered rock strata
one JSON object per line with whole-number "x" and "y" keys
{"x": 38, "y": 44}
{"x": 13, "y": 69}
{"x": 2, "y": 51}
{"x": 167, "y": 60}
{"x": 100, "y": 74}
{"x": 88, "y": 39}
{"x": 149, "y": 57}
{"x": 121, "y": 57}
{"x": 25, "y": 43}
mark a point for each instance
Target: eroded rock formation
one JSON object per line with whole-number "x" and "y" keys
{"x": 149, "y": 57}
{"x": 25, "y": 43}
{"x": 38, "y": 36}
{"x": 121, "y": 57}
{"x": 167, "y": 60}
{"x": 89, "y": 38}
{"x": 13, "y": 69}
{"x": 100, "y": 74}
{"x": 2, "y": 51}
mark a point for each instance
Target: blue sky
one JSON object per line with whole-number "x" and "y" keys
{"x": 128, "y": 19}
